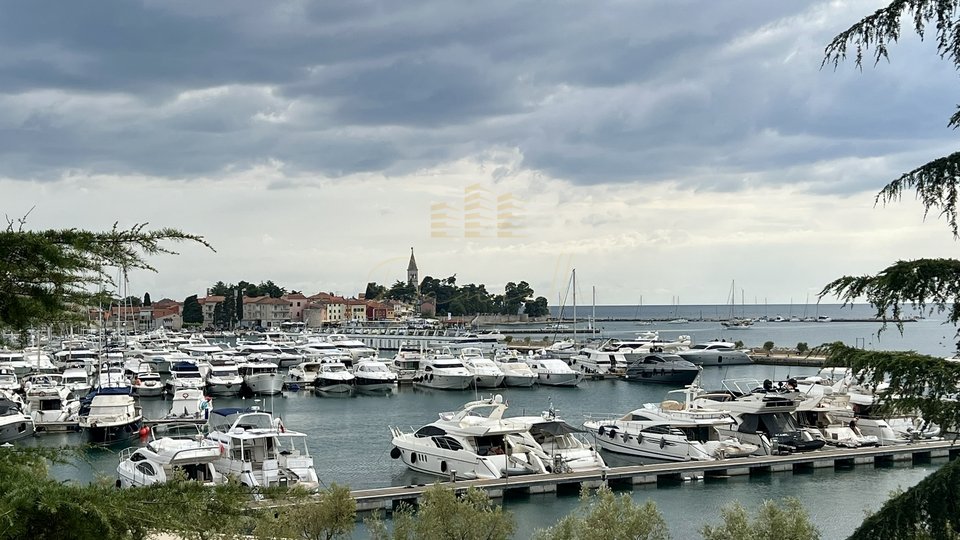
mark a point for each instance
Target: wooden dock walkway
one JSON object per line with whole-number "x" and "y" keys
{"x": 387, "y": 499}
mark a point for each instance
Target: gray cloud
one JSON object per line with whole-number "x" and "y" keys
{"x": 628, "y": 92}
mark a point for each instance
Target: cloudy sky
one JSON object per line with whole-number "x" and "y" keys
{"x": 663, "y": 149}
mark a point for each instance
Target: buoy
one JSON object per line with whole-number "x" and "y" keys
{"x": 144, "y": 431}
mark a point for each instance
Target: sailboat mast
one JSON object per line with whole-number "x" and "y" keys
{"x": 593, "y": 314}
{"x": 573, "y": 278}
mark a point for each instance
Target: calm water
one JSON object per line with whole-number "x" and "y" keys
{"x": 349, "y": 437}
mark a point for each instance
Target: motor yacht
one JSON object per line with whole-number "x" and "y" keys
{"x": 173, "y": 449}
{"x": 14, "y": 362}
{"x": 662, "y": 368}
{"x": 261, "y": 377}
{"x": 333, "y": 377}
{"x": 77, "y": 380}
{"x": 715, "y": 353}
{"x": 405, "y": 364}
{"x": 14, "y": 422}
{"x": 189, "y": 404}
{"x": 354, "y": 347}
{"x": 597, "y": 362}
{"x": 304, "y": 373}
{"x": 442, "y": 371}
{"x": 671, "y": 430}
{"x": 184, "y": 376}
{"x": 110, "y": 414}
{"x": 9, "y": 382}
{"x": 49, "y": 402}
{"x": 563, "y": 443}
{"x": 258, "y": 451}
{"x": 485, "y": 373}
{"x": 474, "y": 442}
{"x": 224, "y": 378}
{"x": 147, "y": 382}
{"x": 373, "y": 375}
{"x": 516, "y": 372}
{"x": 763, "y": 417}
{"x": 553, "y": 371}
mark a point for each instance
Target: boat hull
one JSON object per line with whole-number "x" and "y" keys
{"x": 224, "y": 389}
{"x": 443, "y": 382}
{"x": 520, "y": 381}
{"x": 110, "y": 433}
{"x": 264, "y": 384}
{"x": 16, "y": 429}
{"x": 560, "y": 379}
{"x": 711, "y": 358}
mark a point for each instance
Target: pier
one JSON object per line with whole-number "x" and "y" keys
{"x": 388, "y": 499}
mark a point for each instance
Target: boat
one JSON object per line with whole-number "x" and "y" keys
{"x": 373, "y": 375}
{"x": 173, "y": 451}
{"x": 49, "y": 402}
{"x": 189, "y": 404}
{"x": 737, "y": 324}
{"x": 442, "y": 371}
{"x": 333, "y": 377}
{"x": 261, "y": 377}
{"x": 474, "y": 442}
{"x": 561, "y": 441}
{"x": 598, "y": 362}
{"x": 715, "y": 353}
{"x": 553, "y": 371}
{"x": 224, "y": 378}
{"x": 485, "y": 373}
{"x": 405, "y": 364}
{"x": 354, "y": 347}
{"x": 672, "y": 430}
{"x": 516, "y": 371}
{"x": 184, "y": 376}
{"x": 662, "y": 368}
{"x": 9, "y": 382}
{"x": 147, "y": 382}
{"x": 15, "y": 362}
{"x": 110, "y": 415}
{"x": 77, "y": 380}
{"x": 259, "y": 451}
{"x": 304, "y": 373}
{"x": 15, "y": 424}
{"x": 764, "y": 417}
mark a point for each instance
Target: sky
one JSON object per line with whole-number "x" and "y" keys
{"x": 664, "y": 150}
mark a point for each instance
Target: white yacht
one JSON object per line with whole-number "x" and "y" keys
{"x": 112, "y": 415}
{"x": 189, "y": 404}
{"x": 184, "y": 376}
{"x": 261, "y": 377}
{"x": 373, "y": 375}
{"x": 485, "y": 373}
{"x": 354, "y": 347}
{"x": 304, "y": 373}
{"x": 77, "y": 380}
{"x": 553, "y": 371}
{"x": 474, "y": 442}
{"x": 443, "y": 371}
{"x": 258, "y": 451}
{"x": 334, "y": 378}
{"x": 671, "y": 431}
{"x": 14, "y": 362}
{"x": 9, "y": 382}
{"x": 516, "y": 372}
{"x": 597, "y": 362}
{"x": 715, "y": 353}
{"x": 147, "y": 382}
{"x": 561, "y": 442}
{"x": 49, "y": 402}
{"x": 14, "y": 422}
{"x": 173, "y": 449}
{"x": 405, "y": 364}
{"x": 224, "y": 378}
{"x": 763, "y": 418}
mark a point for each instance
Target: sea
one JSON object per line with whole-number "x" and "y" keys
{"x": 349, "y": 437}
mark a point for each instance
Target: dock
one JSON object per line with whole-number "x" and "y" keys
{"x": 388, "y": 499}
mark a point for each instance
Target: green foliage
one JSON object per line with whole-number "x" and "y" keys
{"x": 768, "y": 346}
{"x": 374, "y": 291}
{"x": 146, "y": 299}
{"x": 919, "y": 383}
{"x": 930, "y": 509}
{"x": 192, "y": 310}
{"x": 802, "y": 347}
{"x": 47, "y": 276}
{"x": 402, "y": 291}
{"x": 332, "y": 514}
{"x": 444, "y": 515}
{"x": 609, "y": 517}
{"x": 738, "y": 344}
{"x": 508, "y": 339}
{"x": 536, "y": 308}
{"x": 787, "y": 522}
{"x": 514, "y": 296}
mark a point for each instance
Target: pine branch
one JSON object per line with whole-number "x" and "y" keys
{"x": 935, "y": 184}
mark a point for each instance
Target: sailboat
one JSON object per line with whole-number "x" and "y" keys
{"x": 734, "y": 322}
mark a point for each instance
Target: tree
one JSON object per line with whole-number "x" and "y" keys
{"x": 919, "y": 382}
{"x": 374, "y": 291}
{"x": 537, "y": 308}
{"x": 192, "y": 311}
{"x": 444, "y": 515}
{"x": 802, "y": 347}
{"x": 610, "y": 517}
{"x": 768, "y": 346}
{"x": 515, "y": 294}
{"x": 49, "y": 276}
{"x": 331, "y": 515}
{"x": 789, "y": 522}
{"x": 146, "y": 299}
{"x": 402, "y": 291}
